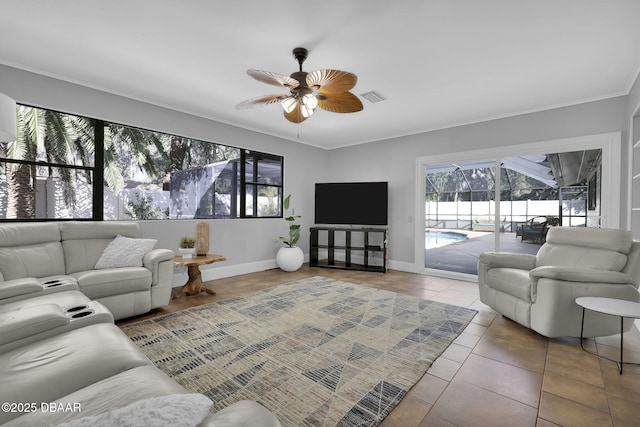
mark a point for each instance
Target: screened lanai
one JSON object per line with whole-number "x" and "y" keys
{"x": 463, "y": 210}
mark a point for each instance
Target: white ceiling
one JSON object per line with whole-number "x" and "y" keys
{"x": 438, "y": 63}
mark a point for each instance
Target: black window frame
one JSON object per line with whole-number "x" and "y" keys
{"x": 98, "y": 175}
{"x": 255, "y": 183}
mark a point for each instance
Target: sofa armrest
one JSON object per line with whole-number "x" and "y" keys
{"x": 507, "y": 260}
{"x": 578, "y": 275}
{"x": 17, "y": 324}
{"x": 12, "y": 288}
{"x": 242, "y": 413}
{"x": 153, "y": 259}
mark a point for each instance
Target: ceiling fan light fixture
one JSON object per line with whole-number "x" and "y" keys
{"x": 310, "y": 101}
{"x": 289, "y": 104}
{"x": 306, "y": 110}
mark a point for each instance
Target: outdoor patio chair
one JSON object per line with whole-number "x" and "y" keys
{"x": 535, "y": 229}
{"x": 539, "y": 291}
{"x": 535, "y": 232}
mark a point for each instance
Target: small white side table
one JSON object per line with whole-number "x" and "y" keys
{"x": 613, "y": 307}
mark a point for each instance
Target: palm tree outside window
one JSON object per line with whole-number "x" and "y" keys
{"x": 64, "y": 166}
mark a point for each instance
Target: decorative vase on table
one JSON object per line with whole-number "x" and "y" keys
{"x": 202, "y": 238}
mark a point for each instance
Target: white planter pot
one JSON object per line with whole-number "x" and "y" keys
{"x": 289, "y": 259}
{"x": 187, "y": 252}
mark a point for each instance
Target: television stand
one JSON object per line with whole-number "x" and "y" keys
{"x": 349, "y": 248}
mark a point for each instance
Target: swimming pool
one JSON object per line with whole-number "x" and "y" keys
{"x": 435, "y": 239}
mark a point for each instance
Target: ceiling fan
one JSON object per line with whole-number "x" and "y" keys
{"x": 327, "y": 89}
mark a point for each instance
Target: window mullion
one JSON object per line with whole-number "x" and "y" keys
{"x": 98, "y": 171}
{"x": 243, "y": 184}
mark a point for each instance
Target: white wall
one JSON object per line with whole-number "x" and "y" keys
{"x": 248, "y": 244}
{"x": 394, "y": 160}
{"x": 634, "y": 98}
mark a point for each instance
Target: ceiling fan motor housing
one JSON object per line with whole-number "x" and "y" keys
{"x": 301, "y": 77}
{"x": 300, "y": 54}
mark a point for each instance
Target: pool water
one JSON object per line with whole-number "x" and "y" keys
{"x": 436, "y": 239}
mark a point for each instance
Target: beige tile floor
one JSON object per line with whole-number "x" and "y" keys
{"x": 496, "y": 373}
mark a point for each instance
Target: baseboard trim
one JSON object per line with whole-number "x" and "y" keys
{"x": 407, "y": 267}
{"x": 220, "y": 271}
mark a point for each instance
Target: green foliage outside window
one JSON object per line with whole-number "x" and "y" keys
{"x": 50, "y": 172}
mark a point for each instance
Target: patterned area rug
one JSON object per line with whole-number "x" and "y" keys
{"x": 316, "y": 352}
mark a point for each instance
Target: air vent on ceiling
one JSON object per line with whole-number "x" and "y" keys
{"x": 373, "y": 96}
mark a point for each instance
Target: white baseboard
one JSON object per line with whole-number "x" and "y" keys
{"x": 220, "y": 270}
{"x": 407, "y": 267}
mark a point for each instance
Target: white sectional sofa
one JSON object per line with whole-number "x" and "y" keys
{"x": 62, "y": 360}
{"x": 95, "y": 376}
{"x": 48, "y": 257}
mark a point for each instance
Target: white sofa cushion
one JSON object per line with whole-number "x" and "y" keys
{"x": 113, "y": 281}
{"x": 82, "y": 255}
{"x": 598, "y": 238}
{"x": 77, "y": 230}
{"x": 30, "y": 250}
{"x": 40, "y": 260}
{"x": 600, "y": 249}
{"x": 83, "y": 242}
{"x": 54, "y": 367}
{"x": 124, "y": 252}
{"x": 112, "y": 392}
{"x": 25, "y": 234}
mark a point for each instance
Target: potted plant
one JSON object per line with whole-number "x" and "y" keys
{"x": 290, "y": 257}
{"x": 187, "y": 247}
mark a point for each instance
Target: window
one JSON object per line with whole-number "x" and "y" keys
{"x": 49, "y": 173}
{"x": 262, "y": 184}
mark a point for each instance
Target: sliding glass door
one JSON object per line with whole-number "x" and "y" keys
{"x": 504, "y": 204}
{"x": 459, "y": 213}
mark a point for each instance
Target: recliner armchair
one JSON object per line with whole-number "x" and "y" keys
{"x": 539, "y": 291}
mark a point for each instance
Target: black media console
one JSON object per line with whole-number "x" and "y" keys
{"x": 352, "y": 248}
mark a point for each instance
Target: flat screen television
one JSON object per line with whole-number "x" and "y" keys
{"x": 351, "y": 203}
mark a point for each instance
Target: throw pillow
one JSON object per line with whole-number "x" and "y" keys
{"x": 174, "y": 410}
{"x": 124, "y": 252}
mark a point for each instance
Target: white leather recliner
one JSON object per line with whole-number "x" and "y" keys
{"x": 539, "y": 291}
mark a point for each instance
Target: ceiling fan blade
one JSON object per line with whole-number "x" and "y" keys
{"x": 295, "y": 115}
{"x": 274, "y": 79}
{"x": 331, "y": 81}
{"x": 340, "y": 103}
{"x": 260, "y": 101}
